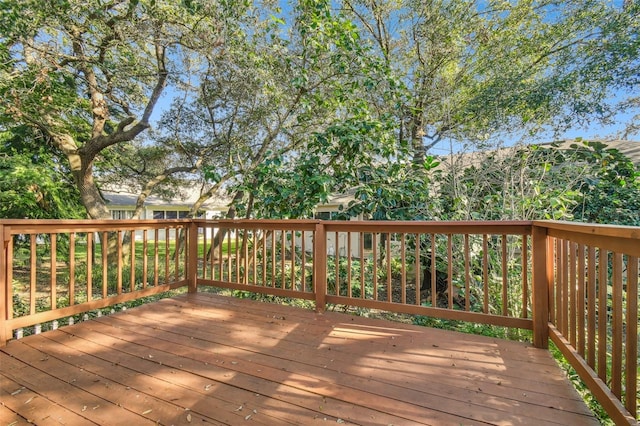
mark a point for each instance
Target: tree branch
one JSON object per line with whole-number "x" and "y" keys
{"x": 122, "y": 134}
{"x": 160, "y": 84}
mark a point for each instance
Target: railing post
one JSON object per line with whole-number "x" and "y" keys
{"x": 320, "y": 267}
{"x": 5, "y": 294}
{"x": 540, "y": 288}
{"x": 192, "y": 257}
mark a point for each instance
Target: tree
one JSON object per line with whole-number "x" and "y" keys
{"x": 260, "y": 113}
{"x": 610, "y": 193}
{"x": 611, "y": 58}
{"x": 89, "y": 75}
{"x": 474, "y": 70}
{"x": 466, "y": 72}
{"x": 345, "y": 156}
{"x": 33, "y": 184}
{"x": 332, "y": 80}
{"x": 517, "y": 183}
{"x": 585, "y": 181}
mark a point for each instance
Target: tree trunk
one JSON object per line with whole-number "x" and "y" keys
{"x": 91, "y": 197}
{"x": 416, "y": 132}
{"x": 82, "y": 170}
{"x": 81, "y": 166}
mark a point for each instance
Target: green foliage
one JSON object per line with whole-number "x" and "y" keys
{"x": 585, "y": 182}
{"x": 344, "y": 156}
{"x": 32, "y": 183}
{"x": 340, "y": 275}
{"x": 394, "y": 191}
{"x": 285, "y": 190}
{"x": 520, "y": 183}
{"x": 87, "y": 75}
{"x": 611, "y": 192}
{"x": 468, "y": 71}
{"x": 316, "y": 98}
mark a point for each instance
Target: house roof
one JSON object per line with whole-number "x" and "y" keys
{"x": 631, "y": 149}
{"x": 123, "y": 198}
{"x": 336, "y": 200}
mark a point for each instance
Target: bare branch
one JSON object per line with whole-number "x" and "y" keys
{"x": 160, "y": 84}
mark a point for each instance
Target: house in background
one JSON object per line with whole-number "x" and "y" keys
{"x": 461, "y": 160}
{"x": 122, "y": 204}
{"x": 331, "y": 210}
{"x": 337, "y": 243}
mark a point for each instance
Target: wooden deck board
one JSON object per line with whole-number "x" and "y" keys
{"x": 205, "y": 359}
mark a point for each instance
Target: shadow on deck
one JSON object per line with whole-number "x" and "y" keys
{"x": 207, "y": 359}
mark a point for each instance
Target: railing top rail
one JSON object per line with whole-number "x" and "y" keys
{"x": 598, "y": 229}
{"x": 275, "y": 224}
{"x": 434, "y": 227}
{"x": 13, "y": 222}
{"x": 263, "y": 221}
{"x": 374, "y": 222}
{"x": 31, "y": 226}
{"x": 58, "y": 226}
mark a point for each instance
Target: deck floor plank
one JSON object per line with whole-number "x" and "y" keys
{"x": 388, "y": 344}
{"x": 279, "y": 383}
{"x": 208, "y": 359}
{"x": 88, "y": 407}
{"x": 164, "y": 369}
{"x": 106, "y": 380}
{"x": 9, "y": 417}
{"x": 403, "y": 382}
{"x": 23, "y": 406}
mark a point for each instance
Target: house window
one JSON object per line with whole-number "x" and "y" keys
{"x": 121, "y": 214}
{"x": 170, "y": 214}
{"x": 368, "y": 241}
{"x": 323, "y": 215}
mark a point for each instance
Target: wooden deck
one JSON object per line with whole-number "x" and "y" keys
{"x": 205, "y": 359}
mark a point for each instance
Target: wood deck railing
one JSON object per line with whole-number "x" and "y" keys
{"x": 576, "y": 284}
{"x": 56, "y": 269}
{"x": 592, "y": 273}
